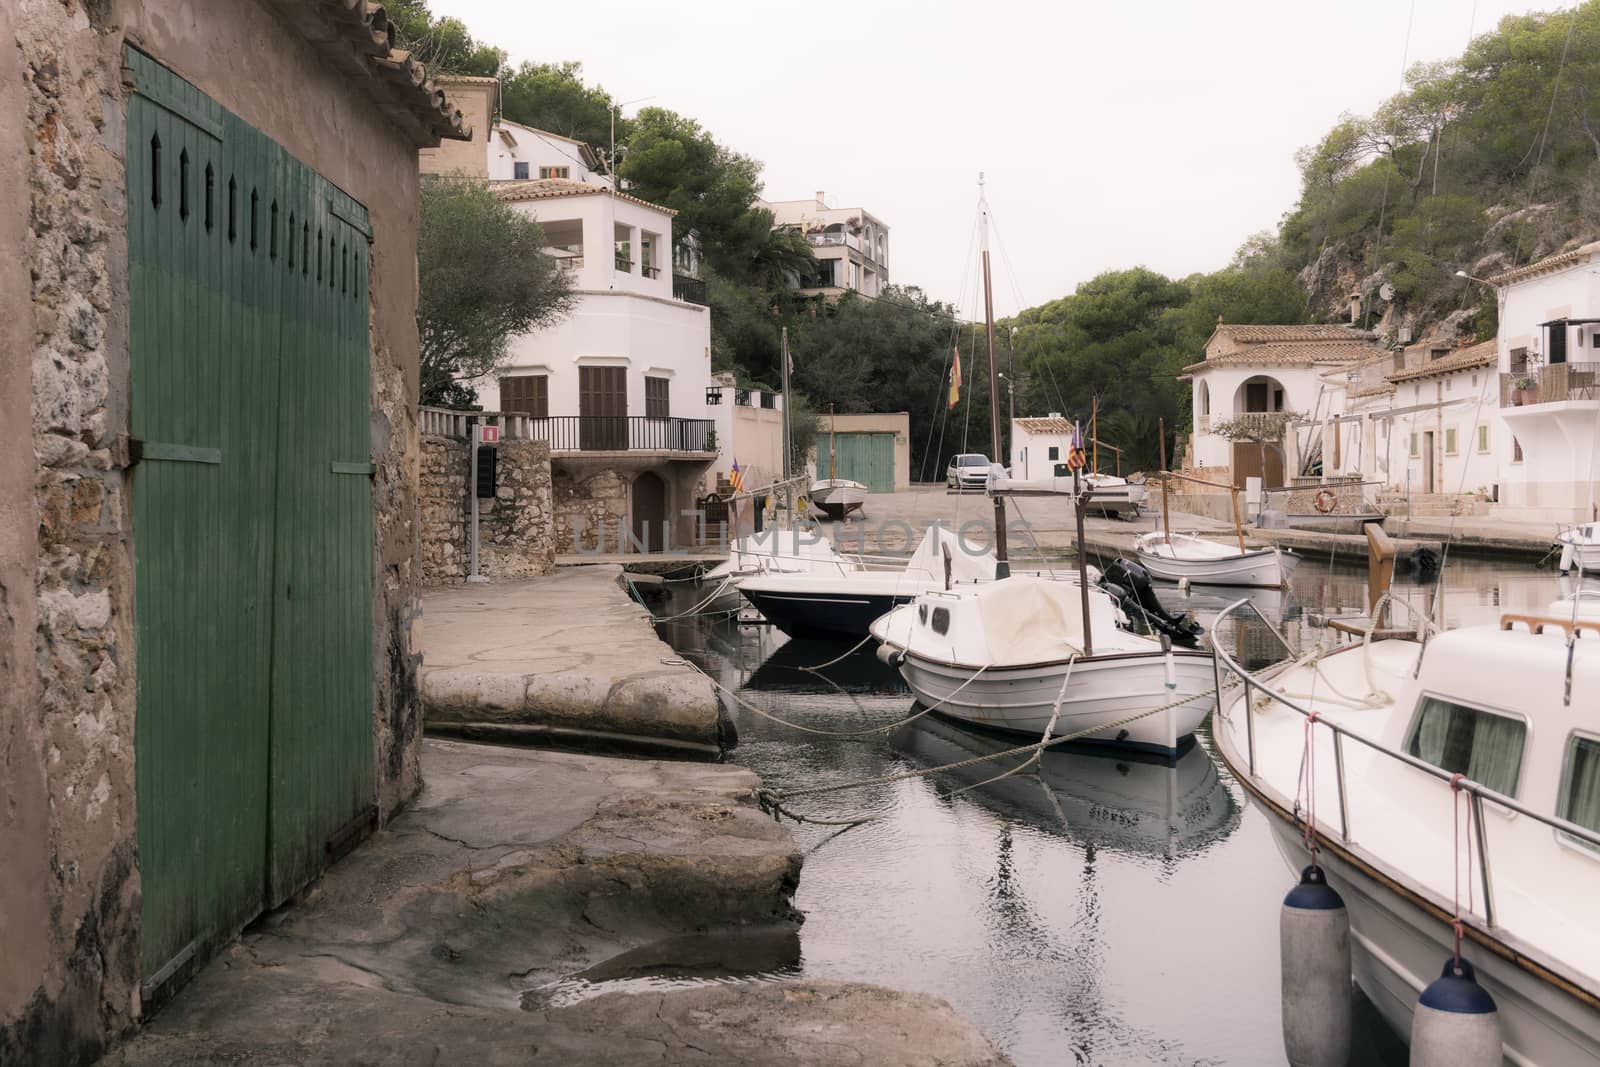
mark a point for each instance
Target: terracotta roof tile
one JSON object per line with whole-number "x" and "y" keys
{"x": 1249, "y": 334}
{"x": 551, "y": 188}
{"x": 1045, "y": 425}
{"x": 1546, "y": 265}
{"x": 1295, "y": 353}
{"x": 357, "y": 34}
{"x": 1481, "y": 354}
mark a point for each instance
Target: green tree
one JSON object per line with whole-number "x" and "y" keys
{"x": 553, "y": 97}
{"x": 442, "y": 45}
{"x": 484, "y": 279}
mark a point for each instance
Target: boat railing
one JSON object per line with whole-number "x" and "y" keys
{"x": 1477, "y": 792}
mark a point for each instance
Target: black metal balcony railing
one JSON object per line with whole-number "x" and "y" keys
{"x": 689, "y": 290}
{"x": 624, "y": 264}
{"x": 621, "y": 433}
{"x": 650, "y": 272}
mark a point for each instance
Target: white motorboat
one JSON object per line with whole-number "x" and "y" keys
{"x": 774, "y": 551}
{"x": 843, "y": 602}
{"x": 1580, "y": 548}
{"x": 1495, "y": 721}
{"x": 1179, "y": 557}
{"x": 837, "y": 497}
{"x": 1002, "y": 655}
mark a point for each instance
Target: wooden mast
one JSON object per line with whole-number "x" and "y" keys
{"x": 1079, "y": 497}
{"x": 1166, "y": 515}
{"x": 832, "y": 438}
{"x": 1094, "y": 434}
{"x": 1002, "y": 567}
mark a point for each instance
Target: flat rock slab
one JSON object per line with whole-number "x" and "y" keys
{"x": 487, "y": 924}
{"x": 569, "y": 657}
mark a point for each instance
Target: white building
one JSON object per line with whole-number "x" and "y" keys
{"x": 1038, "y": 444}
{"x": 1268, "y": 376}
{"x": 522, "y": 153}
{"x": 1548, "y": 394}
{"x": 850, "y": 243}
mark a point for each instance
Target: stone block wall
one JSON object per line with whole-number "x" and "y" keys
{"x": 590, "y": 506}
{"x": 515, "y": 539}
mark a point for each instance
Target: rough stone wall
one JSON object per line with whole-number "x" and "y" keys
{"x": 591, "y": 510}
{"x": 514, "y": 538}
{"x": 514, "y": 535}
{"x": 444, "y": 510}
{"x": 68, "y": 774}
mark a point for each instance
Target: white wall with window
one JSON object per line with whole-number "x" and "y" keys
{"x": 520, "y": 153}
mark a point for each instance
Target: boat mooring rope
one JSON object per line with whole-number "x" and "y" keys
{"x": 1455, "y": 807}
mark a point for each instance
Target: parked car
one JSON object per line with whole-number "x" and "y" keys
{"x": 969, "y": 470}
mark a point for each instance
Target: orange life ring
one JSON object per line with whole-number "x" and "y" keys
{"x": 1326, "y": 501}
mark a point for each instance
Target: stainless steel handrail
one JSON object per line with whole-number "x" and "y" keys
{"x": 1476, "y": 790}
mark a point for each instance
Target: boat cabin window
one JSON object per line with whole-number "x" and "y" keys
{"x": 922, "y": 613}
{"x": 941, "y": 620}
{"x": 1580, "y": 783}
{"x": 1463, "y": 740}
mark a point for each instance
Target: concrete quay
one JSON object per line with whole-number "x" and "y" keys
{"x": 567, "y": 659}
{"x": 500, "y": 919}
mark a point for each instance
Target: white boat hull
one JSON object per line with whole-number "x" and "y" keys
{"x": 838, "y": 497}
{"x": 1103, "y": 690}
{"x": 1261, "y": 568}
{"x": 1580, "y": 556}
{"x": 1397, "y": 949}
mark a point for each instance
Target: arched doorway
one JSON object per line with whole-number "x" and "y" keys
{"x": 649, "y": 513}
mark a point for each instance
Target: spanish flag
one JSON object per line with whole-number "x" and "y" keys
{"x": 736, "y": 478}
{"x": 955, "y": 378}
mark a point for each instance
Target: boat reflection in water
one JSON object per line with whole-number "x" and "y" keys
{"x": 796, "y": 666}
{"x": 1159, "y": 807}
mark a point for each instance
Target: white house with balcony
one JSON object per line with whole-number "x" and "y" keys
{"x": 1267, "y": 377}
{"x": 1549, "y": 388}
{"x": 851, "y": 245}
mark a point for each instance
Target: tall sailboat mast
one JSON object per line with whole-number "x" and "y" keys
{"x": 1002, "y": 568}
{"x": 787, "y": 444}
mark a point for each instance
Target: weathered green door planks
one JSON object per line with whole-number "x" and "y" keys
{"x": 867, "y": 458}
{"x": 252, "y": 556}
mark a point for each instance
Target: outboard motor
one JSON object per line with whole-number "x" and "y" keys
{"x": 1130, "y": 585}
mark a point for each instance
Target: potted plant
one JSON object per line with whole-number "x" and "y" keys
{"x": 1527, "y": 390}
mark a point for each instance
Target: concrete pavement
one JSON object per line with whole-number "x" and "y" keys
{"x": 525, "y": 910}
{"x": 569, "y": 657}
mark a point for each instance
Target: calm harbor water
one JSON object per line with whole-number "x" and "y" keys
{"x": 1100, "y": 911}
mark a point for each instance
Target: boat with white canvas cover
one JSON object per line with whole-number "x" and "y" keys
{"x": 1040, "y": 657}
{"x": 1109, "y": 495}
{"x": 1460, "y": 776}
{"x": 1189, "y": 557}
{"x": 774, "y": 551}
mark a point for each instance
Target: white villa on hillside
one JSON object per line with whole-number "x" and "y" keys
{"x": 1268, "y": 376}
{"x": 850, "y": 243}
{"x": 1549, "y": 389}
{"x": 621, "y": 388}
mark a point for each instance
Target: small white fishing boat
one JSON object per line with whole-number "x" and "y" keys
{"x": 837, "y": 497}
{"x": 1178, "y": 557}
{"x": 1580, "y": 548}
{"x": 1005, "y": 654}
{"x": 1457, "y": 777}
{"x": 1109, "y": 495}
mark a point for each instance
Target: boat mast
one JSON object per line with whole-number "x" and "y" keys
{"x": 1161, "y": 445}
{"x": 1002, "y": 568}
{"x": 1079, "y": 502}
{"x": 1094, "y": 434}
{"x": 833, "y": 472}
{"x": 788, "y": 445}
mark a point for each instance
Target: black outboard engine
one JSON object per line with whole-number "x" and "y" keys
{"x": 1130, "y": 585}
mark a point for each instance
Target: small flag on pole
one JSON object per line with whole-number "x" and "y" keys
{"x": 736, "y": 478}
{"x": 955, "y": 378}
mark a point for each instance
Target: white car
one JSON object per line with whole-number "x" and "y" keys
{"x": 967, "y": 471}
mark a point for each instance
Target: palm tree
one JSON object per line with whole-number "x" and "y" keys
{"x": 781, "y": 260}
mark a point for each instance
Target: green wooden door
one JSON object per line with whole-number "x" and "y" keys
{"x": 867, "y": 458}
{"x": 252, "y": 567}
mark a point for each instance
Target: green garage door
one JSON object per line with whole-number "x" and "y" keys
{"x": 251, "y": 515}
{"x": 867, "y": 458}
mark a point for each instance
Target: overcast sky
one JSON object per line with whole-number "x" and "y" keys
{"x": 1143, "y": 132}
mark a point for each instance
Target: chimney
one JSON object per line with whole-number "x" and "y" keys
{"x": 822, "y": 200}
{"x": 1355, "y": 308}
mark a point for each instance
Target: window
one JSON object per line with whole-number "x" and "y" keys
{"x": 1580, "y": 783}
{"x": 656, "y": 404}
{"x": 1558, "y": 343}
{"x": 941, "y": 620}
{"x": 1450, "y": 441}
{"x": 1516, "y": 450}
{"x": 555, "y": 172}
{"x": 1413, "y": 446}
{"x": 1437, "y": 353}
{"x": 1462, "y": 740}
{"x": 1519, "y": 361}
{"x": 1483, "y": 438}
{"x": 526, "y": 393}
{"x": 1055, "y": 453}
{"x": 519, "y": 171}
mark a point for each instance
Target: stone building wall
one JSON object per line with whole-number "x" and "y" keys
{"x": 591, "y": 510}
{"x": 515, "y": 539}
{"x": 69, "y": 879}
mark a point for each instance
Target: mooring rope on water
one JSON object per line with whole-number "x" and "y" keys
{"x": 658, "y": 619}
{"x": 773, "y": 801}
